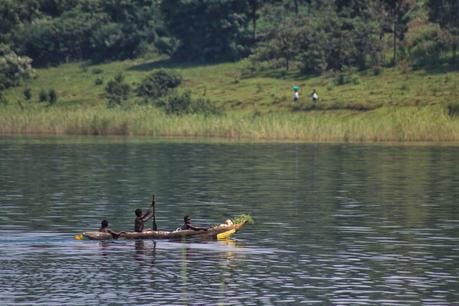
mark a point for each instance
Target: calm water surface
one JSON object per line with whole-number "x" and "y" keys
{"x": 335, "y": 224}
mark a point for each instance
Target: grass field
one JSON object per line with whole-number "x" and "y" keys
{"x": 396, "y": 104}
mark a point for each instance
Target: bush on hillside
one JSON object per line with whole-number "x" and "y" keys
{"x": 346, "y": 77}
{"x": 43, "y": 96}
{"x": 158, "y": 84}
{"x": 453, "y": 109}
{"x": 52, "y": 97}
{"x": 117, "y": 91}
{"x": 99, "y": 81}
{"x": 181, "y": 104}
{"x": 27, "y": 93}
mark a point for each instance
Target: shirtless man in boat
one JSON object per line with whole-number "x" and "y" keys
{"x": 187, "y": 225}
{"x": 105, "y": 229}
{"x": 140, "y": 219}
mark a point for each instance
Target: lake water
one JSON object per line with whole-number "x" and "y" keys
{"x": 335, "y": 224}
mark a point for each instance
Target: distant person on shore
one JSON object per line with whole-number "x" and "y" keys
{"x": 296, "y": 93}
{"x": 105, "y": 229}
{"x": 314, "y": 97}
{"x": 187, "y": 225}
{"x": 140, "y": 219}
{"x": 296, "y": 96}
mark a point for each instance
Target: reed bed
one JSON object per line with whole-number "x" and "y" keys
{"x": 404, "y": 124}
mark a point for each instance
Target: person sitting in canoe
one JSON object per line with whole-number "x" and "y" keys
{"x": 105, "y": 229}
{"x": 187, "y": 225}
{"x": 140, "y": 219}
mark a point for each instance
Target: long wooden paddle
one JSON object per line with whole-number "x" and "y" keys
{"x": 153, "y": 204}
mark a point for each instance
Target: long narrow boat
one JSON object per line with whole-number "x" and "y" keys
{"x": 221, "y": 231}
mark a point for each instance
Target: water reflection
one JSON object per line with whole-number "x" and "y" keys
{"x": 335, "y": 224}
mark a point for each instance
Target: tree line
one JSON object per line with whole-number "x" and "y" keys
{"x": 313, "y": 35}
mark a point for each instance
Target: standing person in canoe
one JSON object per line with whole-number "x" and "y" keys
{"x": 105, "y": 229}
{"x": 187, "y": 225}
{"x": 140, "y": 219}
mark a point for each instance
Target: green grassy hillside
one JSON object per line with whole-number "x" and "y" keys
{"x": 376, "y": 105}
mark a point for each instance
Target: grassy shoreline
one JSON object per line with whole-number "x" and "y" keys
{"x": 393, "y": 106}
{"x": 402, "y": 124}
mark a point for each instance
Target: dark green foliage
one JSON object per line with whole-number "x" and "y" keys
{"x": 27, "y": 93}
{"x": 313, "y": 35}
{"x": 96, "y": 30}
{"x": 98, "y": 82}
{"x": 14, "y": 13}
{"x": 166, "y": 45}
{"x": 3, "y": 100}
{"x": 177, "y": 104}
{"x": 283, "y": 44}
{"x": 180, "y": 104}
{"x": 49, "y": 96}
{"x": 346, "y": 77}
{"x": 13, "y": 68}
{"x": 207, "y": 29}
{"x": 158, "y": 84}
{"x": 323, "y": 42}
{"x": 57, "y": 40}
{"x": 43, "y": 96}
{"x": 117, "y": 91}
{"x": 203, "y": 105}
{"x": 446, "y": 14}
{"x": 376, "y": 70}
{"x": 351, "y": 42}
{"x": 428, "y": 47}
{"x": 398, "y": 17}
{"x": 97, "y": 71}
{"x": 453, "y": 109}
{"x": 52, "y": 97}
{"x": 353, "y": 8}
{"x": 55, "y": 8}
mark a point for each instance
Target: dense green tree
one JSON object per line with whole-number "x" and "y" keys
{"x": 319, "y": 34}
{"x": 15, "y": 13}
{"x": 353, "y": 8}
{"x": 297, "y": 4}
{"x": 13, "y": 68}
{"x": 58, "y": 40}
{"x": 253, "y": 13}
{"x": 324, "y": 41}
{"x": 87, "y": 29}
{"x": 446, "y": 14}
{"x": 207, "y": 29}
{"x": 56, "y": 8}
{"x": 399, "y": 15}
{"x": 282, "y": 44}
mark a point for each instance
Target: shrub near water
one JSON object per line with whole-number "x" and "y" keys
{"x": 180, "y": 104}
{"x": 117, "y": 91}
{"x": 453, "y": 109}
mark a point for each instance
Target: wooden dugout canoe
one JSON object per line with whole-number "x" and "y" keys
{"x": 215, "y": 232}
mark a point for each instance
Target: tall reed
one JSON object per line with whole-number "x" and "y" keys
{"x": 430, "y": 123}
